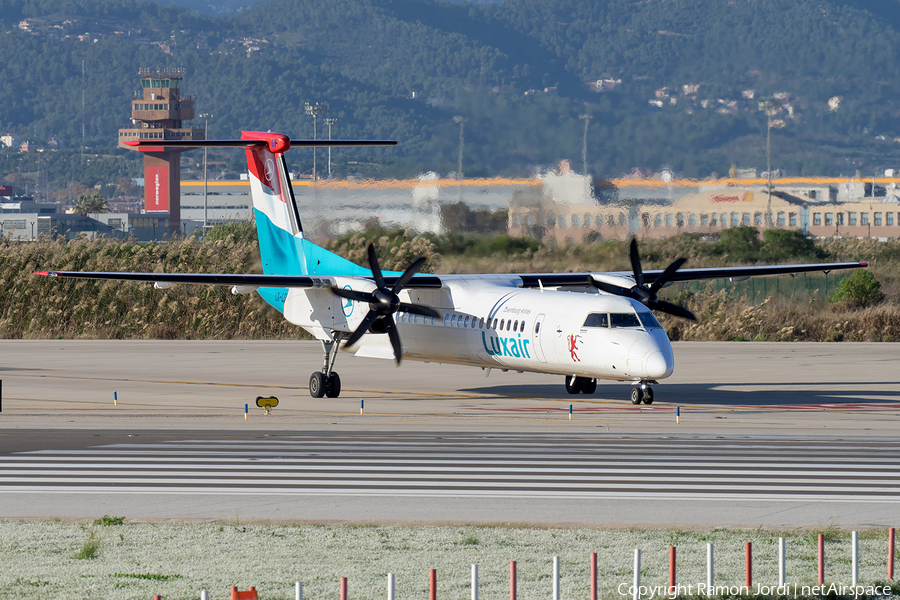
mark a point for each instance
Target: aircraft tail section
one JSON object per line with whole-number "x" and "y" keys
{"x": 282, "y": 247}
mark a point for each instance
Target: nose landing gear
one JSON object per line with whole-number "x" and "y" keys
{"x": 642, "y": 393}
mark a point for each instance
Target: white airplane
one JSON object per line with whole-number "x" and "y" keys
{"x": 582, "y": 326}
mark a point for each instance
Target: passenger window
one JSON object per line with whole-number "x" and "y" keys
{"x": 516, "y": 325}
{"x": 481, "y": 323}
{"x": 597, "y": 320}
{"x": 502, "y": 321}
{"x": 453, "y": 321}
{"x": 508, "y": 323}
{"x": 522, "y": 327}
{"x": 467, "y": 321}
{"x": 537, "y": 327}
{"x": 494, "y": 326}
{"x": 624, "y": 320}
{"x": 446, "y": 320}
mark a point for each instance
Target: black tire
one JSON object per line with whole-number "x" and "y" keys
{"x": 589, "y": 387}
{"x": 576, "y": 386}
{"x": 636, "y": 395}
{"x": 333, "y": 385}
{"x": 648, "y": 397}
{"x": 317, "y": 384}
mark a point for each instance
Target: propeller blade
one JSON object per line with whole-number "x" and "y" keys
{"x": 391, "y": 329}
{"x": 666, "y": 275}
{"x": 673, "y": 309}
{"x": 373, "y": 265}
{"x": 609, "y": 288}
{"x": 418, "y": 309}
{"x": 636, "y": 263}
{"x": 408, "y": 273}
{"x": 351, "y": 294}
{"x": 362, "y": 329}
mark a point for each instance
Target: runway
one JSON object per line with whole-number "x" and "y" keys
{"x": 773, "y": 435}
{"x": 553, "y": 478}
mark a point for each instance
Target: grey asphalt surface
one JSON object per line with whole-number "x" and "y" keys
{"x": 789, "y": 409}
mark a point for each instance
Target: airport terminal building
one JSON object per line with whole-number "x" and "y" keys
{"x": 649, "y": 209}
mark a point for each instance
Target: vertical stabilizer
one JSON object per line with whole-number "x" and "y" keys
{"x": 277, "y": 220}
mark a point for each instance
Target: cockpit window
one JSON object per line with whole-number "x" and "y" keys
{"x": 649, "y": 320}
{"x": 624, "y": 320}
{"x": 597, "y": 320}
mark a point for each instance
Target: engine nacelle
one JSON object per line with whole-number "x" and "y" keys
{"x": 624, "y": 282}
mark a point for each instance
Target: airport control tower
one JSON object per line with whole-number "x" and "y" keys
{"x": 160, "y": 112}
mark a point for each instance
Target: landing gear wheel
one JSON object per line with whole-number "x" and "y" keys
{"x": 636, "y": 395}
{"x": 574, "y": 385}
{"x": 317, "y": 384}
{"x": 333, "y": 385}
{"x": 590, "y": 386}
{"x": 648, "y": 395}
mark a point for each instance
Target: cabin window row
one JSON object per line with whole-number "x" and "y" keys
{"x": 852, "y": 218}
{"x": 466, "y": 321}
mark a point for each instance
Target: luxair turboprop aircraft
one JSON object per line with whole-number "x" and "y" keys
{"x": 583, "y": 326}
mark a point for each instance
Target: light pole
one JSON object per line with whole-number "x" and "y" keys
{"x": 329, "y": 122}
{"x": 207, "y": 117}
{"x": 771, "y": 107}
{"x": 459, "y": 171}
{"x": 314, "y": 110}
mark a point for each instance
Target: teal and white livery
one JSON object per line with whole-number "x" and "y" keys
{"x": 582, "y": 326}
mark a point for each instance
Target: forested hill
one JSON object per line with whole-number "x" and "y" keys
{"x": 668, "y": 82}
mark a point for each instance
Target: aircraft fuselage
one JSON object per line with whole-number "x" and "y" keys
{"x": 589, "y": 335}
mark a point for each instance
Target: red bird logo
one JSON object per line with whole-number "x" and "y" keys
{"x": 573, "y": 341}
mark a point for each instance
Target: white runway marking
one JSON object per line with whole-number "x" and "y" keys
{"x": 555, "y": 466}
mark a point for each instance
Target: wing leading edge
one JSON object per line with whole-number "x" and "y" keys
{"x": 561, "y": 279}
{"x": 279, "y": 281}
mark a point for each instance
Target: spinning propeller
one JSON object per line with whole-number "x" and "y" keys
{"x": 384, "y": 302}
{"x": 644, "y": 294}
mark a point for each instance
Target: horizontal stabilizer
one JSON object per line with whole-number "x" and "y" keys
{"x": 255, "y": 143}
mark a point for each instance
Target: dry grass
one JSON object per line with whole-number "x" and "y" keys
{"x": 39, "y": 307}
{"x": 36, "y": 307}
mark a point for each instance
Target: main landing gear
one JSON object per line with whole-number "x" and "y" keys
{"x": 580, "y": 385}
{"x": 327, "y": 382}
{"x": 642, "y": 392}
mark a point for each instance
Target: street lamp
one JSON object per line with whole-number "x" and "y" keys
{"x": 329, "y": 122}
{"x": 206, "y": 117}
{"x": 314, "y": 110}
{"x": 771, "y": 107}
{"x": 459, "y": 171}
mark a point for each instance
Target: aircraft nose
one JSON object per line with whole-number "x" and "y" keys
{"x": 659, "y": 366}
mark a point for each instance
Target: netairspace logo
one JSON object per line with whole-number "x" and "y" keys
{"x": 649, "y": 592}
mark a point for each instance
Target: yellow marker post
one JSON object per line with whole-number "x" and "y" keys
{"x": 570, "y": 412}
{"x": 362, "y": 405}
{"x": 677, "y": 415}
{"x": 115, "y": 398}
{"x": 246, "y": 411}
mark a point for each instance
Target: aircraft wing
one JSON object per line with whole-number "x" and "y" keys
{"x": 560, "y": 279}
{"x": 279, "y": 281}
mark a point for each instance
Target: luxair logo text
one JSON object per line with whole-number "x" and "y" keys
{"x": 515, "y": 347}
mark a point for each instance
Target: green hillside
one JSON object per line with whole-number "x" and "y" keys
{"x": 683, "y": 80}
